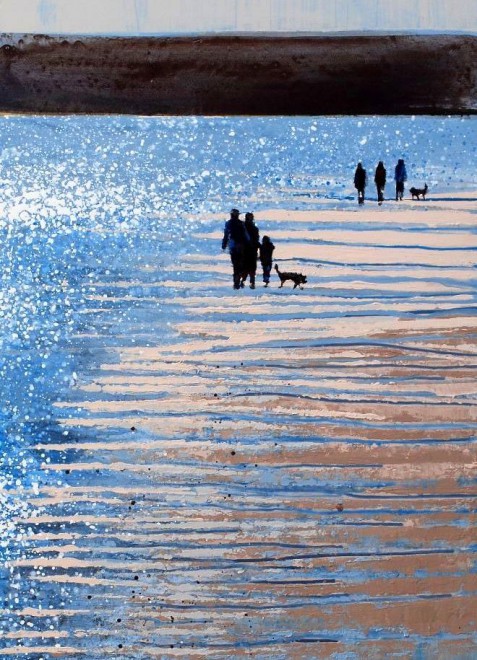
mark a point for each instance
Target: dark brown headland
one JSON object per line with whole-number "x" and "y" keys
{"x": 240, "y": 75}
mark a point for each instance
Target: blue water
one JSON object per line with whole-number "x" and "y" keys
{"x": 87, "y": 199}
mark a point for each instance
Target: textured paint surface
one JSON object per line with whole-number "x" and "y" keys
{"x": 246, "y": 75}
{"x": 179, "y": 16}
{"x": 193, "y": 472}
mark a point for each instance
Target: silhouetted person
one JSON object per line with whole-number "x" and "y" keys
{"x": 266, "y": 258}
{"x": 380, "y": 181}
{"x": 400, "y": 176}
{"x": 250, "y": 252}
{"x": 360, "y": 180}
{"x": 236, "y": 238}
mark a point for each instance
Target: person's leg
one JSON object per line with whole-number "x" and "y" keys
{"x": 246, "y": 267}
{"x": 253, "y": 272}
{"x": 266, "y": 273}
{"x": 237, "y": 264}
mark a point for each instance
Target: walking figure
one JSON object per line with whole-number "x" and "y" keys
{"x": 360, "y": 180}
{"x": 400, "y": 176}
{"x": 266, "y": 259}
{"x": 236, "y": 238}
{"x": 380, "y": 181}
{"x": 250, "y": 252}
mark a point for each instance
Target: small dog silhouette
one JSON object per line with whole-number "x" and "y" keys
{"x": 416, "y": 192}
{"x": 297, "y": 278}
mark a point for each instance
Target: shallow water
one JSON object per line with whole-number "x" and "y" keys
{"x": 96, "y": 198}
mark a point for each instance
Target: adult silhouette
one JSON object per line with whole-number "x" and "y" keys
{"x": 250, "y": 251}
{"x": 236, "y": 239}
{"x": 360, "y": 180}
{"x": 400, "y": 177}
{"x": 380, "y": 181}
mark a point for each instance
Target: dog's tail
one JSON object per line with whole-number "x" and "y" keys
{"x": 426, "y": 187}
{"x": 276, "y": 268}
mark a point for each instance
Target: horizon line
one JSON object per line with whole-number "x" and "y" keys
{"x": 245, "y": 33}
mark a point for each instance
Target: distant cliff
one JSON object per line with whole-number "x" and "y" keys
{"x": 248, "y": 74}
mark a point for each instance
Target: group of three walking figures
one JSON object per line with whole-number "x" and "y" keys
{"x": 400, "y": 176}
{"x": 243, "y": 241}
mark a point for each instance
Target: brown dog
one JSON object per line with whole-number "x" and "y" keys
{"x": 297, "y": 278}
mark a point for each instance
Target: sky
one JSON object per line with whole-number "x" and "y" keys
{"x": 136, "y": 17}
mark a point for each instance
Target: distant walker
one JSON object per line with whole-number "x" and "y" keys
{"x": 380, "y": 181}
{"x": 360, "y": 180}
{"x": 400, "y": 177}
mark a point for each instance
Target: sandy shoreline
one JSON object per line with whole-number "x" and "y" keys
{"x": 296, "y": 467}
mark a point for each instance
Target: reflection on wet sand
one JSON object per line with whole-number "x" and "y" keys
{"x": 290, "y": 475}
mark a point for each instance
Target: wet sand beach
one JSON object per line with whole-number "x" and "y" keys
{"x": 273, "y": 473}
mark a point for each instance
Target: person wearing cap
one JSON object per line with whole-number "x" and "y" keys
{"x": 236, "y": 239}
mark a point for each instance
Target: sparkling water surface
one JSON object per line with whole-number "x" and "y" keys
{"x": 93, "y": 199}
